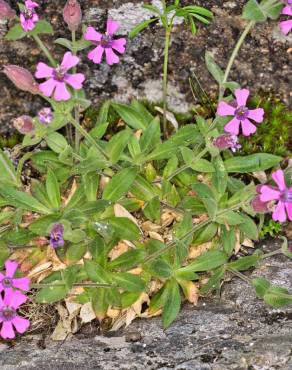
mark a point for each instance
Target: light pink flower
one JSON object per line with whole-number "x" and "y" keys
{"x": 105, "y": 43}
{"x": 286, "y": 26}
{"x": 29, "y": 18}
{"x": 8, "y": 314}
{"x": 8, "y": 281}
{"x": 241, "y": 113}
{"x": 58, "y": 78}
{"x": 282, "y": 194}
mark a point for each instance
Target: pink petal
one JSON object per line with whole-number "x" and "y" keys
{"x": 279, "y": 213}
{"x": 21, "y": 283}
{"x": 248, "y": 128}
{"x": 35, "y": 18}
{"x": 233, "y": 126}
{"x": 20, "y": 324}
{"x": 69, "y": 60}
{"x": 119, "y": 45}
{"x": 1, "y": 278}
{"x": 225, "y": 109}
{"x": 111, "y": 27}
{"x": 1, "y": 301}
{"x": 111, "y": 57}
{"x": 286, "y": 26}
{"x": 96, "y": 54}
{"x": 256, "y": 114}
{"x": 278, "y": 177}
{"x": 61, "y": 92}
{"x": 287, "y": 10}
{"x": 75, "y": 80}
{"x": 241, "y": 96}
{"x": 44, "y": 71}
{"x": 7, "y": 331}
{"x": 289, "y": 210}
{"x": 267, "y": 194}
{"x": 47, "y": 87}
{"x": 14, "y": 298}
{"x": 11, "y": 267}
{"x": 92, "y": 35}
{"x": 29, "y": 4}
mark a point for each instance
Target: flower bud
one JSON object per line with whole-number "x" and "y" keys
{"x": 21, "y": 78}
{"x": 72, "y": 14}
{"x": 24, "y": 124}
{"x": 227, "y": 141}
{"x": 259, "y": 206}
{"x": 6, "y": 11}
{"x": 46, "y": 116}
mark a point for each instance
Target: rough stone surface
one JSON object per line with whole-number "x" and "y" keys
{"x": 233, "y": 332}
{"x": 262, "y": 64}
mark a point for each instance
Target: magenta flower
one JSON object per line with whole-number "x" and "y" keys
{"x": 286, "y": 26}
{"x": 58, "y": 78}
{"x": 256, "y": 203}
{"x": 241, "y": 114}
{"x": 282, "y": 194}
{"x": 105, "y": 43}
{"x": 227, "y": 141}
{"x": 29, "y": 18}
{"x": 8, "y": 281}
{"x": 46, "y": 116}
{"x": 8, "y": 314}
{"x": 56, "y": 236}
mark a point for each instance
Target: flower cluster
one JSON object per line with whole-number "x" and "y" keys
{"x": 286, "y": 26}
{"x": 11, "y": 298}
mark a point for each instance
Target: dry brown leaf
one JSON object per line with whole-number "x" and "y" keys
{"x": 237, "y": 242}
{"x": 155, "y": 235}
{"x": 191, "y": 291}
{"x": 248, "y": 243}
{"x": 40, "y": 268}
{"x": 104, "y": 180}
{"x": 135, "y": 310}
{"x": 167, "y": 218}
{"x": 113, "y": 313}
{"x": 71, "y": 193}
{"x": 121, "y": 211}
{"x": 118, "y": 250}
{"x": 86, "y": 313}
{"x": 57, "y": 264}
{"x": 196, "y": 251}
{"x": 136, "y": 271}
{"x": 138, "y": 134}
{"x": 150, "y": 226}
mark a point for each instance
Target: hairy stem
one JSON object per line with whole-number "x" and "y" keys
{"x": 233, "y": 56}
{"x": 165, "y": 78}
{"x": 45, "y": 50}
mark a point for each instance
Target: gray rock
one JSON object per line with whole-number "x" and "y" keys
{"x": 263, "y": 62}
{"x": 235, "y": 331}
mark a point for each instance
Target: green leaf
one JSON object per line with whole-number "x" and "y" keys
{"x": 249, "y": 228}
{"x": 140, "y": 27}
{"x": 244, "y": 263}
{"x": 172, "y": 304}
{"x": 251, "y": 163}
{"x": 230, "y": 218}
{"x": 208, "y": 261}
{"x": 128, "y": 259}
{"x": 42, "y": 224}
{"x": 151, "y": 136}
{"x": 130, "y": 116}
{"x": 42, "y": 27}
{"x": 159, "y": 269}
{"x": 205, "y": 234}
{"x": 259, "y": 12}
{"x": 285, "y": 250}
{"x": 152, "y": 210}
{"x": 143, "y": 190}
{"x": 220, "y": 176}
{"x": 214, "y": 282}
{"x": 91, "y": 183}
{"x": 7, "y": 170}
{"x": 53, "y": 189}
{"x": 120, "y": 184}
{"x": 128, "y": 282}
{"x": 96, "y": 273}
{"x": 261, "y": 286}
{"x": 163, "y": 151}
{"x": 24, "y": 200}
{"x": 124, "y": 228}
{"x": 278, "y": 297}
{"x": 117, "y": 144}
{"x": 15, "y": 33}
{"x": 52, "y": 294}
{"x": 75, "y": 252}
{"x": 228, "y": 239}
{"x": 134, "y": 147}
{"x": 213, "y": 68}
{"x": 56, "y": 142}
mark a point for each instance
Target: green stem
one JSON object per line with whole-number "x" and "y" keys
{"x": 84, "y": 285}
{"x": 240, "y": 275}
{"x": 233, "y": 56}
{"x": 26, "y": 157}
{"x": 165, "y": 77}
{"x": 76, "y": 108}
{"x": 45, "y": 50}
{"x": 271, "y": 254}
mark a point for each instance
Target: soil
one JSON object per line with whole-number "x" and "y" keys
{"x": 264, "y": 62}
{"x": 232, "y": 331}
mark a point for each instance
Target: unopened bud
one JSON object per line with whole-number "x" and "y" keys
{"x": 259, "y": 206}
{"x": 24, "y": 124}
{"x": 72, "y": 14}
{"x": 150, "y": 172}
{"x": 6, "y": 11}
{"x": 21, "y": 78}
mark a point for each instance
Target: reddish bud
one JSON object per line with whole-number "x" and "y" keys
{"x": 24, "y": 124}
{"x": 72, "y": 14}
{"x": 259, "y": 206}
{"x": 6, "y": 11}
{"x": 21, "y": 78}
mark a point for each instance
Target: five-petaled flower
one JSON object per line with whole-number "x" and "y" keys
{"x": 56, "y": 236}
{"x": 58, "y": 78}
{"x": 8, "y": 281}
{"x": 242, "y": 114}
{"x": 282, "y": 195}
{"x": 8, "y": 314}
{"x": 286, "y": 26}
{"x": 28, "y": 17}
{"x": 105, "y": 43}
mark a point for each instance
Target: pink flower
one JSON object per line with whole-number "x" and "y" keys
{"x": 8, "y": 314}
{"x": 227, "y": 141}
{"x": 105, "y": 43}
{"x": 241, "y": 114}
{"x": 257, "y": 205}
{"x": 282, "y": 194}
{"x": 58, "y": 78}
{"x": 7, "y": 281}
{"x": 286, "y": 26}
{"x": 6, "y": 11}
{"x": 29, "y": 18}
